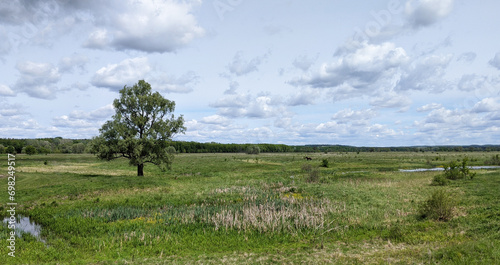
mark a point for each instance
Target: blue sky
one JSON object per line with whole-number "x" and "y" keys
{"x": 364, "y": 73}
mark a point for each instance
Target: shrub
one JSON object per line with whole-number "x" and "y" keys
{"x": 495, "y": 160}
{"x": 440, "y": 180}
{"x": 324, "y": 163}
{"x": 253, "y": 150}
{"x": 455, "y": 171}
{"x": 30, "y": 150}
{"x": 440, "y": 206}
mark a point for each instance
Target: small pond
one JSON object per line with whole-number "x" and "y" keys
{"x": 26, "y": 225}
{"x": 442, "y": 169}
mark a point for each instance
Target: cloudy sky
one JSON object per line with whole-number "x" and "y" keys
{"x": 364, "y": 73}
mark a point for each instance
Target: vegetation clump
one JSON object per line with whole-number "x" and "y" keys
{"x": 324, "y": 163}
{"x": 455, "y": 171}
{"x": 253, "y": 150}
{"x": 440, "y": 206}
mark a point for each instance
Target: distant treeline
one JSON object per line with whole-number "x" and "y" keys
{"x": 60, "y": 145}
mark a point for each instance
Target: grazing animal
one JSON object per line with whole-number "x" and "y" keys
{"x": 308, "y": 158}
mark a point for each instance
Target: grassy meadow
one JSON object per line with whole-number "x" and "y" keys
{"x": 252, "y": 209}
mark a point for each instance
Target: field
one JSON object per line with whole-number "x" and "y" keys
{"x": 251, "y": 209}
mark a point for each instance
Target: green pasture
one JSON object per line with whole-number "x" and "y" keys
{"x": 251, "y": 209}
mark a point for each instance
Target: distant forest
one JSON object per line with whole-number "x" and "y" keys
{"x": 78, "y": 146}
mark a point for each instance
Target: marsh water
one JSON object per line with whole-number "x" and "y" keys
{"x": 442, "y": 169}
{"x": 25, "y": 225}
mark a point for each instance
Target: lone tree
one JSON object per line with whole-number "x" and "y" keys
{"x": 141, "y": 129}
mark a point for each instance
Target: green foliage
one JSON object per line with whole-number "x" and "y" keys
{"x": 455, "y": 171}
{"x": 253, "y": 150}
{"x": 10, "y": 150}
{"x": 324, "y": 163}
{"x": 495, "y": 160}
{"x": 141, "y": 129}
{"x": 440, "y": 180}
{"x": 440, "y": 206}
{"x": 30, "y": 150}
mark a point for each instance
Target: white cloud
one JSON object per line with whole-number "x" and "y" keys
{"x": 429, "y": 107}
{"x": 37, "y": 79}
{"x": 127, "y": 72}
{"x": 98, "y": 39}
{"x": 240, "y": 66}
{"x": 6, "y": 91}
{"x": 87, "y": 121}
{"x": 427, "y": 74}
{"x": 392, "y": 101}
{"x": 355, "y": 117}
{"x": 245, "y": 105}
{"x": 304, "y": 62}
{"x": 215, "y": 119}
{"x": 172, "y": 84}
{"x": 495, "y": 62}
{"x": 363, "y": 68}
{"x": 487, "y": 105}
{"x": 70, "y": 63}
{"x": 423, "y": 13}
{"x": 306, "y": 96}
{"x": 148, "y": 25}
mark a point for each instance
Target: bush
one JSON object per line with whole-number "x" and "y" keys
{"x": 253, "y": 150}
{"x": 440, "y": 206}
{"x": 30, "y": 150}
{"x": 495, "y": 160}
{"x": 324, "y": 163}
{"x": 455, "y": 171}
{"x": 440, "y": 180}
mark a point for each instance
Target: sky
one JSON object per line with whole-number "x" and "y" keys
{"x": 362, "y": 73}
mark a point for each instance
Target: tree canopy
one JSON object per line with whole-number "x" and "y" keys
{"x": 141, "y": 129}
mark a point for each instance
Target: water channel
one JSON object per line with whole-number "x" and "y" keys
{"x": 25, "y": 225}
{"x": 442, "y": 169}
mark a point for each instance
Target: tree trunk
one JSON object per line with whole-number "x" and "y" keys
{"x": 140, "y": 170}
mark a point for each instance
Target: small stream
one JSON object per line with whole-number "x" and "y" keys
{"x": 25, "y": 225}
{"x": 442, "y": 169}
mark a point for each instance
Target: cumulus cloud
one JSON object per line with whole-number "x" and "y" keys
{"x": 360, "y": 68}
{"x": 355, "y": 117}
{"x": 444, "y": 125}
{"x": 423, "y": 13}
{"x": 233, "y": 85}
{"x": 215, "y": 119}
{"x": 6, "y": 91}
{"x": 495, "y": 62}
{"x": 173, "y": 84}
{"x": 429, "y": 107}
{"x": 147, "y": 25}
{"x": 90, "y": 120}
{"x": 401, "y": 102}
{"x": 487, "y": 105}
{"x": 304, "y": 62}
{"x": 426, "y": 73}
{"x": 241, "y": 66}
{"x": 153, "y": 26}
{"x": 245, "y": 105}
{"x": 306, "y": 96}
{"x": 126, "y": 72}
{"x": 70, "y": 63}
{"x": 38, "y": 80}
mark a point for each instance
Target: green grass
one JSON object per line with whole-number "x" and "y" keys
{"x": 252, "y": 209}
